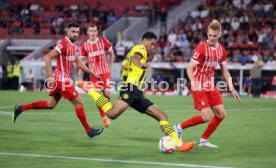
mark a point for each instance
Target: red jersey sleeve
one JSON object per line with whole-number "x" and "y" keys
{"x": 61, "y": 47}
{"x": 198, "y": 56}
{"x": 83, "y": 50}
{"x": 107, "y": 45}
{"x": 224, "y": 55}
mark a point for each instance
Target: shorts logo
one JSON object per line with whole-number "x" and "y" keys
{"x": 125, "y": 96}
{"x": 202, "y": 103}
{"x": 74, "y": 93}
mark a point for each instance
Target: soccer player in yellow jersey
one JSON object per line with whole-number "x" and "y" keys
{"x": 131, "y": 94}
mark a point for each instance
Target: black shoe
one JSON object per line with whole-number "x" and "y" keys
{"x": 95, "y": 132}
{"x": 17, "y": 112}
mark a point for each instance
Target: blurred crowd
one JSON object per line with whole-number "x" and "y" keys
{"x": 248, "y": 31}
{"x": 36, "y": 18}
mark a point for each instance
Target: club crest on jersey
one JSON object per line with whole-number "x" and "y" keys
{"x": 70, "y": 58}
{"x": 125, "y": 96}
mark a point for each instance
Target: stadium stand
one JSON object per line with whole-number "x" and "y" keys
{"x": 248, "y": 29}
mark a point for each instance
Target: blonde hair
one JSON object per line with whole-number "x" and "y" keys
{"x": 215, "y": 25}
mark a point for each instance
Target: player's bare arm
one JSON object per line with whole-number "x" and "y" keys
{"x": 85, "y": 68}
{"x": 136, "y": 60}
{"x": 48, "y": 61}
{"x": 194, "y": 86}
{"x": 112, "y": 57}
{"x": 227, "y": 77}
{"x": 80, "y": 72}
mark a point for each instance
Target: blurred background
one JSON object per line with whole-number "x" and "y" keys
{"x": 30, "y": 29}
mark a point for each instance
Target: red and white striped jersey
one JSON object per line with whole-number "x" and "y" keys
{"x": 95, "y": 53}
{"x": 207, "y": 58}
{"x": 65, "y": 60}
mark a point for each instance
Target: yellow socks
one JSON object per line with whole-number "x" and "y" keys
{"x": 169, "y": 131}
{"x": 100, "y": 100}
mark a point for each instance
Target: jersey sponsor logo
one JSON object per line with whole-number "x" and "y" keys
{"x": 125, "y": 96}
{"x": 70, "y": 58}
{"x": 196, "y": 55}
{"x": 95, "y": 53}
{"x": 211, "y": 63}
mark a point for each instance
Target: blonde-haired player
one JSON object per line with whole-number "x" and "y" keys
{"x": 206, "y": 97}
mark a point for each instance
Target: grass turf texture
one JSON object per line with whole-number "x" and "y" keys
{"x": 246, "y": 138}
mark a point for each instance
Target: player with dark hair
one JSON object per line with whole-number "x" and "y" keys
{"x": 94, "y": 50}
{"x": 205, "y": 95}
{"x": 131, "y": 94}
{"x": 65, "y": 53}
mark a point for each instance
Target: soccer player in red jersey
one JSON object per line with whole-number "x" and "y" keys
{"x": 61, "y": 84}
{"x": 201, "y": 74}
{"x": 94, "y": 50}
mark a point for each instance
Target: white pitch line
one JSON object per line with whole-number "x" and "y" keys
{"x": 109, "y": 160}
{"x": 130, "y": 110}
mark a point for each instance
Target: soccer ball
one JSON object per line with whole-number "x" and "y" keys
{"x": 167, "y": 144}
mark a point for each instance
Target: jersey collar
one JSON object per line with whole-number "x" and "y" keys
{"x": 69, "y": 40}
{"x": 93, "y": 42}
{"x": 212, "y": 48}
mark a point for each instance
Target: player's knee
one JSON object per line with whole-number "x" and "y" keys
{"x": 222, "y": 115}
{"x": 111, "y": 116}
{"x": 52, "y": 105}
{"x": 206, "y": 117}
{"x": 78, "y": 104}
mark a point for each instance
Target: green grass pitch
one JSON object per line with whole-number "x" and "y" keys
{"x": 55, "y": 138}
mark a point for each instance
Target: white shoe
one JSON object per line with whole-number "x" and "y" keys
{"x": 178, "y": 131}
{"x": 206, "y": 143}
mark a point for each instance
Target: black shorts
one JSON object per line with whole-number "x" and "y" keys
{"x": 134, "y": 97}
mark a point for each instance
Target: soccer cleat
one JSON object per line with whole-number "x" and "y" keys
{"x": 106, "y": 122}
{"x": 178, "y": 131}
{"x": 95, "y": 131}
{"x": 187, "y": 146}
{"x": 17, "y": 112}
{"x": 206, "y": 143}
{"x": 85, "y": 86}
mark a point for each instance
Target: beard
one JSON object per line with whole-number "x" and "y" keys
{"x": 73, "y": 39}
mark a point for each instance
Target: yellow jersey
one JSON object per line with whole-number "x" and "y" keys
{"x": 124, "y": 67}
{"x": 136, "y": 75}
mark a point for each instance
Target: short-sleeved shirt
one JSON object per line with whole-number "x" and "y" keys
{"x": 65, "y": 60}
{"x": 95, "y": 53}
{"x": 136, "y": 75}
{"x": 207, "y": 58}
{"x": 63, "y": 85}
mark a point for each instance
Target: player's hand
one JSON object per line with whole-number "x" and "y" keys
{"x": 195, "y": 86}
{"x": 98, "y": 77}
{"x": 145, "y": 65}
{"x": 236, "y": 95}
